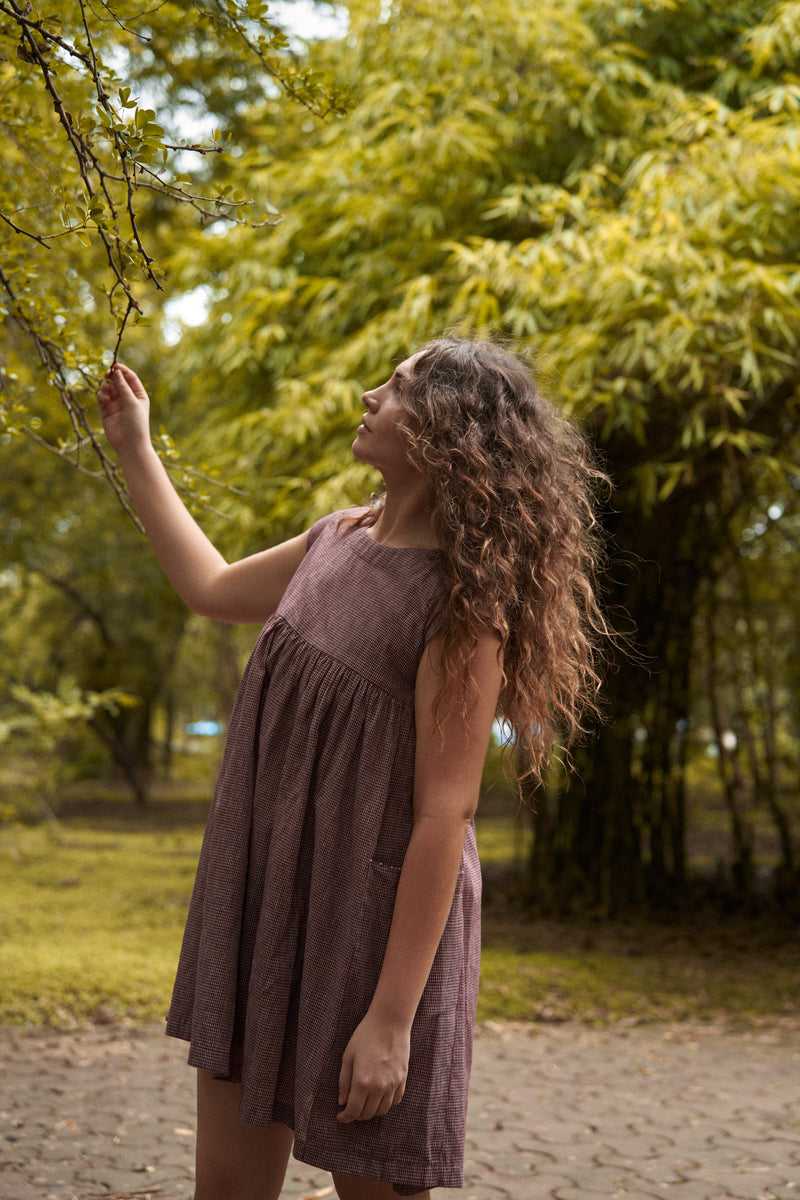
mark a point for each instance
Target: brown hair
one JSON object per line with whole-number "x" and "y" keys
{"x": 513, "y": 485}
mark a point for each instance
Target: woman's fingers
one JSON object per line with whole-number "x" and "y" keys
{"x": 124, "y": 408}
{"x": 127, "y": 380}
{"x": 362, "y": 1105}
{"x": 374, "y": 1068}
{"x": 363, "y": 1102}
{"x": 345, "y": 1078}
{"x": 123, "y": 381}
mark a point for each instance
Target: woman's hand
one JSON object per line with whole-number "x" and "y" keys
{"x": 125, "y": 409}
{"x": 374, "y": 1069}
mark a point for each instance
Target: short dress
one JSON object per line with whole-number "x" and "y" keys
{"x": 298, "y": 872}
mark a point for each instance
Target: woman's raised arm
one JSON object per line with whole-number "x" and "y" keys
{"x": 249, "y": 590}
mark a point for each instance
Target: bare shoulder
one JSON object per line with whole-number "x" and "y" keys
{"x": 485, "y": 661}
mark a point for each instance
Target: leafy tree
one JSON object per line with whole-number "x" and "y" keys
{"x": 616, "y": 188}
{"x": 85, "y": 607}
{"x": 98, "y": 178}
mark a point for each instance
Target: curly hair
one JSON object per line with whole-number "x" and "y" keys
{"x": 513, "y": 487}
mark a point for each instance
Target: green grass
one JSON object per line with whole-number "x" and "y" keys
{"x": 603, "y": 987}
{"x": 503, "y": 839}
{"x": 92, "y": 918}
{"x": 91, "y": 926}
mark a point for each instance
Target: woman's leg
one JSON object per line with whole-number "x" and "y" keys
{"x": 236, "y": 1161}
{"x": 353, "y": 1187}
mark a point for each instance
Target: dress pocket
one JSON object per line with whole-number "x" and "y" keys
{"x": 375, "y": 919}
{"x": 444, "y": 983}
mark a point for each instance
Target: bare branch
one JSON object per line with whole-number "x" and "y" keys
{"x": 226, "y": 18}
{"x": 145, "y": 12}
{"x": 24, "y": 232}
{"x": 123, "y": 323}
{"x": 23, "y": 19}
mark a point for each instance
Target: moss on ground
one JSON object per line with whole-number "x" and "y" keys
{"x": 92, "y": 917}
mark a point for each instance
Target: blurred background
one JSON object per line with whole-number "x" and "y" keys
{"x": 260, "y": 210}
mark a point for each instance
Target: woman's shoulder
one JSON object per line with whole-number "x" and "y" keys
{"x": 333, "y": 521}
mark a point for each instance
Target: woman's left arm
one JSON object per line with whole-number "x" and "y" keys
{"x": 447, "y": 776}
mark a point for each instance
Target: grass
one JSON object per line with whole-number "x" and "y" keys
{"x": 91, "y": 926}
{"x": 92, "y": 917}
{"x": 636, "y": 977}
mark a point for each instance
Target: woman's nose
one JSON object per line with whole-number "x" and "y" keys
{"x": 369, "y": 401}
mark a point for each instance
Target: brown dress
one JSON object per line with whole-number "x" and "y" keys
{"x": 297, "y": 876}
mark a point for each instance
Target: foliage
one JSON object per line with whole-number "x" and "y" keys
{"x": 35, "y": 726}
{"x": 613, "y": 186}
{"x": 641, "y": 237}
{"x": 616, "y": 189}
{"x": 99, "y": 177}
{"x": 43, "y": 717}
{"x": 82, "y": 605}
{"x": 85, "y": 157}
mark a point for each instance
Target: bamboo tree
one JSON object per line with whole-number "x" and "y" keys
{"x": 634, "y": 225}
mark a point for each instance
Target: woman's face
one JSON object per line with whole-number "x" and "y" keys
{"x": 379, "y": 440}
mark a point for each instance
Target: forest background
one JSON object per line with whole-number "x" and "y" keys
{"x": 615, "y": 187}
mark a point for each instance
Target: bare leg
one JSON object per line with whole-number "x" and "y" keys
{"x": 353, "y": 1187}
{"x": 236, "y": 1161}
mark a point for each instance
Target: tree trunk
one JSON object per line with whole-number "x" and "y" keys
{"x": 612, "y": 836}
{"x": 728, "y": 764}
{"x": 762, "y": 672}
{"x": 128, "y": 736}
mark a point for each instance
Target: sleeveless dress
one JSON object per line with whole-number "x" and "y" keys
{"x": 297, "y": 876}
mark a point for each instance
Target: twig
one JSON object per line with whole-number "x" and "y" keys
{"x": 148, "y": 1191}
{"x": 195, "y": 149}
{"x": 24, "y": 232}
{"x": 50, "y": 357}
{"x": 145, "y": 12}
{"x": 227, "y": 18}
{"x": 193, "y": 471}
{"x": 23, "y": 19}
{"x": 44, "y": 238}
{"x": 66, "y": 452}
{"x": 123, "y": 323}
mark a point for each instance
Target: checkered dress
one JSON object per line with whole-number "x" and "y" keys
{"x": 298, "y": 872}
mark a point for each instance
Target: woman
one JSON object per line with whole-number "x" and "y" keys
{"x": 328, "y": 977}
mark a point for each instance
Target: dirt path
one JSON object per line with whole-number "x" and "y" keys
{"x": 687, "y": 1112}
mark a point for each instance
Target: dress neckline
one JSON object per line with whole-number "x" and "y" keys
{"x": 380, "y": 548}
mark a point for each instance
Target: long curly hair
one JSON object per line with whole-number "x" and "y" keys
{"x": 514, "y": 488}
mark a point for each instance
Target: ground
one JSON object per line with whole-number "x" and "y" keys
{"x": 686, "y": 1111}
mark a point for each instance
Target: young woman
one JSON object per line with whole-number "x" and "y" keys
{"x": 328, "y": 978}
